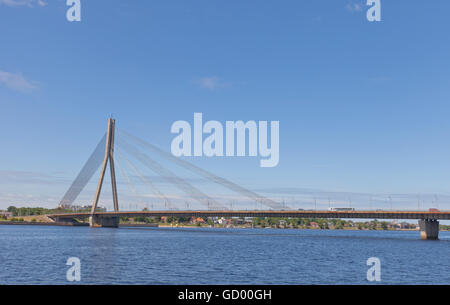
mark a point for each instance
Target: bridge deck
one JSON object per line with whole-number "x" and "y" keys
{"x": 269, "y": 213}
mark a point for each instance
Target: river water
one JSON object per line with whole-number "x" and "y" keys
{"x": 38, "y": 255}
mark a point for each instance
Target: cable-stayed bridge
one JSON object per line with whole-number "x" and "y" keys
{"x": 125, "y": 146}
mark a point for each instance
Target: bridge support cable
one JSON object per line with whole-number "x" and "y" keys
{"x": 154, "y": 189}
{"x": 169, "y": 176}
{"x": 127, "y": 179}
{"x": 205, "y": 174}
{"x": 85, "y": 175}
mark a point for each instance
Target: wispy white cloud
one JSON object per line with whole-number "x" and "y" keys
{"x": 211, "y": 83}
{"x": 16, "y": 81}
{"x": 21, "y": 199}
{"x": 354, "y": 6}
{"x": 28, "y": 3}
{"x": 25, "y": 177}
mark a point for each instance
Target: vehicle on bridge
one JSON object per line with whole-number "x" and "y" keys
{"x": 340, "y": 209}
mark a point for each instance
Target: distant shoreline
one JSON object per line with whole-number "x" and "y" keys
{"x": 238, "y": 227}
{"x": 26, "y": 223}
{"x": 62, "y": 224}
{"x": 29, "y": 223}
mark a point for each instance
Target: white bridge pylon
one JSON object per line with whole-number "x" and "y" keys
{"x": 109, "y": 156}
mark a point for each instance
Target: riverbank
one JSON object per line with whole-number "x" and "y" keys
{"x": 354, "y": 228}
{"x": 151, "y": 225}
{"x": 28, "y": 223}
{"x": 68, "y": 224}
{"x": 156, "y": 225}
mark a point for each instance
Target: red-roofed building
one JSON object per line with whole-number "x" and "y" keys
{"x": 313, "y": 224}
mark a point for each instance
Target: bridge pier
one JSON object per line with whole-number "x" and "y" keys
{"x": 65, "y": 220}
{"x": 429, "y": 229}
{"x": 97, "y": 221}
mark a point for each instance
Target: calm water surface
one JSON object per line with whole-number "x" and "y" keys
{"x": 38, "y": 255}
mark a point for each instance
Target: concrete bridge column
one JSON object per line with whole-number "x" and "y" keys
{"x": 97, "y": 221}
{"x": 429, "y": 229}
{"x": 65, "y": 220}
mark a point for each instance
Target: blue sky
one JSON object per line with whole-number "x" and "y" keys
{"x": 363, "y": 107}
